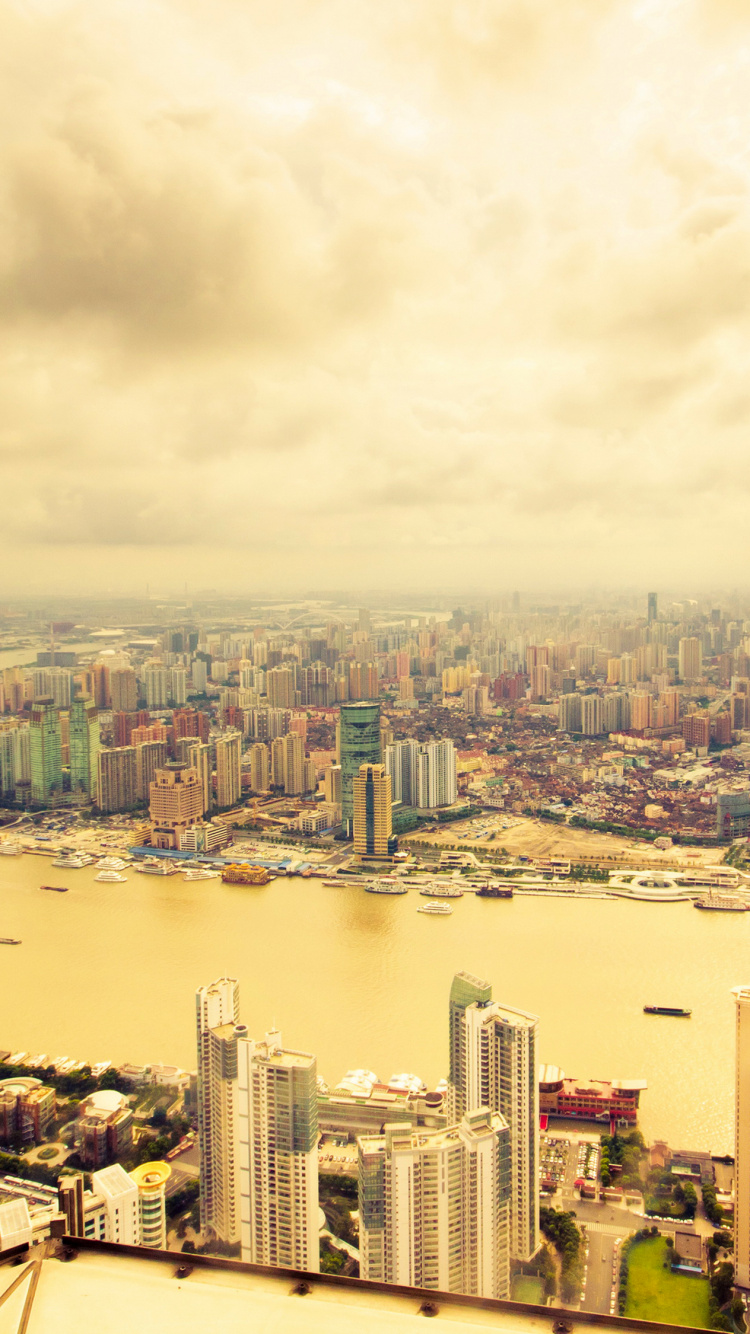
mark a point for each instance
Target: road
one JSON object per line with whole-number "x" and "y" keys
{"x": 599, "y": 1274}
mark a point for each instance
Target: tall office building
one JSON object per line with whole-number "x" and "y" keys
{"x": 228, "y": 769}
{"x": 690, "y": 659}
{"x": 591, "y": 715}
{"x": 641, "y": 710}
{"x": 198, "y": 755}
{"x": 156, "y": 681}
{"x": 434, "y": 1206}
{"x": 117, "y": 781}
{"x": 217, "y": 1017}
{"x": 359, "y": 743}
{"x": 149, "y": 756}
{"x": 281, "y": 688}
{"x": 123, "y": 687}
{"x": 178, "y": 685}
{"x": 401, "y": 761}
{"x": 7, "y": 763}
{"x": 652, "y": 608}
{"x": 742, "y": 1138}
{"x": 373, "y": 822}
{"x": 259, "y": 772}
{"x": 570, "y": 713}
{"x": 45, "y": 738}
{"x": 175, "y": 803}
{"x": 437, "y": 783}
{"x": 492, "y": 1054}
{"x": 294, "y": 765}
{"x": 84, "y": 744}
{"x": 278, "y": 1154}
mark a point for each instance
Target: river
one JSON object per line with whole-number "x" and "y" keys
{"x": 109, "y": 972}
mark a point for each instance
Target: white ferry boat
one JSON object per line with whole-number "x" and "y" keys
{"x": 73, "y": 861}
{"x": 435, "y": 909}
{"x": 438, "y": 891}
{"x": 157, "y": 866}
{"x": 111, "y": 864}
{"x": 9, "y": 849}
{"x": 111, "y": 877}
{"x": 201, "y": 873}
{"x": 385, "y": 886}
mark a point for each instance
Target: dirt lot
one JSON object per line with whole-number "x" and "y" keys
{"x": 542, "y": 838}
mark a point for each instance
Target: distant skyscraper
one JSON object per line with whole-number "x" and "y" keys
{"x": 278, "y": 1154}
{"x": 294, "y": 765}
{"x": 149, "y": 756}
{"x": 84, "y": 747}
{"x": 156, "y": 681}
{"x": 492, "y": 1053}
{"x": 570, "y": 713}
{"x": 117, "y": 782}
{"x": 359, "y": 743}
{"x": 123, "y": 687}
{"x": 373, "y": 824}
{"x": 46, "y": 751}
{"x": 436, "y": 775}
{"x": 217, "y": 1016}
{"x": 591, "y": 715}
{"x": 401, "y": 762}
{"x": 690, "y": 659}
{"x": 228, "y": 769}
{"x": 178, "y": 685}
{"x": 434, "y": 1206}
{"x": 742, "y": 1138}
{"x": 652, "y": 608}
{"x": 259, "y": 773}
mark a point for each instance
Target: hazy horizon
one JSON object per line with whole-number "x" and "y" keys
{"x": 433, "y": 296}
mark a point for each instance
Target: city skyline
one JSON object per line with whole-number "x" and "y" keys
{"x": 327, "y": 327}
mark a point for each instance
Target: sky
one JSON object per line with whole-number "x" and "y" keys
{"x": 311, "y": 294}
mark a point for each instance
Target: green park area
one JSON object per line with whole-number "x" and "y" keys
{"x": 527, "y": 1289}
{"x": 655, "y": 1293}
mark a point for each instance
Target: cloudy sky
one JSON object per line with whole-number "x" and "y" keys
{"x": 331, "y": 293}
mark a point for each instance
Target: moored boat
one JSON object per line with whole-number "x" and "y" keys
{"x": 495, "y": 892}
{"x": 111, "y": 877}
{"x": 721, "y": 903}
{"x": 385, "y": 887}
{"x": 442, "y": 891}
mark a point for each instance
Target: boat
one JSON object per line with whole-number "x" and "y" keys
{"x": 156, "y": 866}
{"x": 442, "y": 891}
{"x": 435, "y": 909}
{"x": 111, "y": 864}
{"x": 9, "y": 940}
{"x": 111, "y": 877}
{"x": 495, "y": 892}
{"x": 721, "y": 903}
{"x": 673, "y": 1010}
{"x": 8, "y": 849}
{"x": 244, "y": 874}
{"x": 56, "y": 889}
{"x": 334, "y": 884}
{"x": 385, "y": 887}
{"x": 200, "y": 873}
{"x": 72, "y": 861}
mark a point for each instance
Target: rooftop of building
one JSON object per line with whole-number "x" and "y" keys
{"x": 120, "y": 1289}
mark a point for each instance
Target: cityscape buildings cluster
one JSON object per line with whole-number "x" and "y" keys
{"x": 637, "y": 715}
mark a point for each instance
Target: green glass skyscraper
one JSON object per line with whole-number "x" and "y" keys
{"x": 45, "y": 744}
{"x": 359, "y": 743}
{"x": 84, "y": 747}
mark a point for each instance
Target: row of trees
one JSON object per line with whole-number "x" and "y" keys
{"x": 560, "y": 1228}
